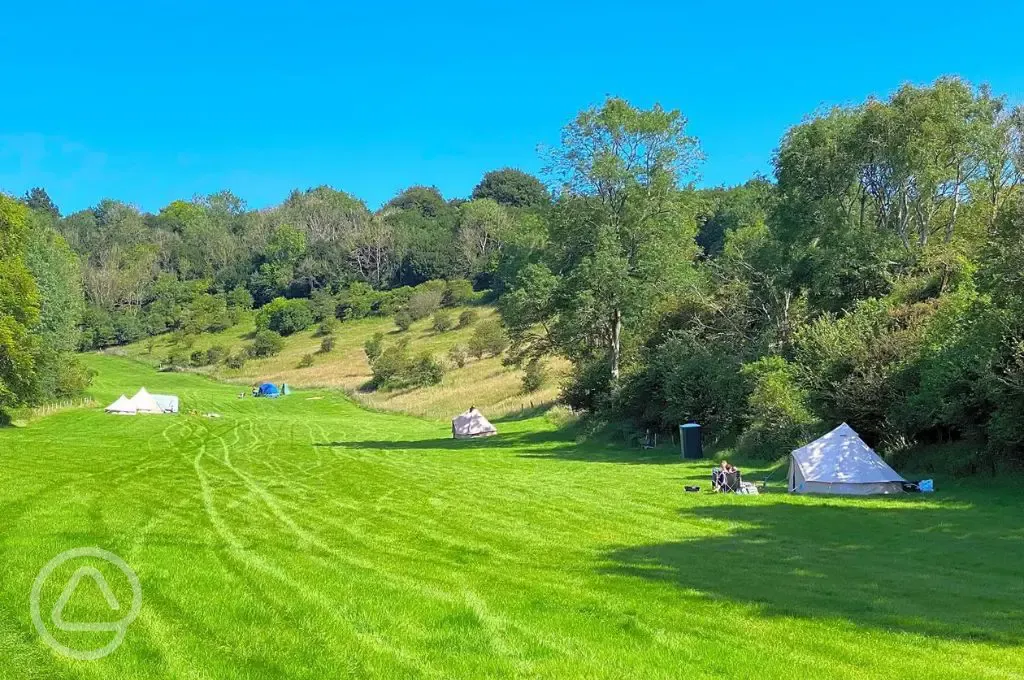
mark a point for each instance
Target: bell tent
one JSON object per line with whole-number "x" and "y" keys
{"x": 145, "y": 403}
{"x": 472, "y": 424}
{"x": 168, "y": 403}
{"x": 122, "y": 407}
{"x": 841, "y": 463}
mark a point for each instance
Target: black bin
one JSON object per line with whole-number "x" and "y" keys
{"x": 689, "y": 439}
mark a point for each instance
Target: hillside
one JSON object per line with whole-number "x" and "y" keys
{"x": 485, "y": 383}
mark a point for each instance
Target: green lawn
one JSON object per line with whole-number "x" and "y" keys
{"x": 305, "y": 537}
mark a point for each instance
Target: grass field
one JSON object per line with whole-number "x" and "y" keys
{"x": 485, "y": 383}
{"x": 307, "y": 538}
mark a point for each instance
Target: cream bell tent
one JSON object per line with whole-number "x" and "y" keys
{"x": 168, "y": 403}
{"x": 841, "y": 463}
{"x": 471, "y": 424}
{"x": 122, "y": 407}
{"x": 145, "y": 403}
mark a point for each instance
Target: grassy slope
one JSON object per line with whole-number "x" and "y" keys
{"x": 495, "y": 389}
{"x": 307, "y": 538}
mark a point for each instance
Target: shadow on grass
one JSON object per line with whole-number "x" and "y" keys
{"x": 952, "y": 573}
{"x": 537, "y": 445}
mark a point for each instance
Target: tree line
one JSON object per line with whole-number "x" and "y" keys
{"x": 874, "y": 278}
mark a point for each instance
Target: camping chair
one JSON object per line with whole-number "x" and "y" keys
{"x": 725, "y": 482}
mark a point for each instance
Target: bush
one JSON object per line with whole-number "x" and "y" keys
{"x": 423, "y": 303}
{"x": 267, "y": 343}
{"x": 323, "y": 305}
{"x": 198, "y": 358}
{"x": 236, "y": 361}
{"x": 327, "y": 327}
{"x": 285, "y": 316}
{"x": 488, "y": 338}
{"x": 467, "y": 318}
{"x": 457, "y": 292}
{"x": 177, "y": 357}
{"x": 403, "y": 319}
{"x": 443, "y": 321}
{"x": 327, "y": 345}
{"x": 306, "y": 361}
{"x": 390, "y": 365}
{"x": 216, "y": 354}
{"x": 357, "y": 301}
{"x": 425, "y": 370}
{"x": 534, "y": 375}
{"x": 458, "y": 355}
{"x": 374, "y": 347}
{"x": 780, "y": 419}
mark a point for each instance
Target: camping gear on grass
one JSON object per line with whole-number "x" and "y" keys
{"x": 926, "y": 485}
{"x": 168, "y": 403}
{"x": 268, "y": 390}
{"x": 841, "y": 463}
{"x": 691, "y": 489}
{"x": 472, "y": 424}
{"x": 145, "y": 403}
{"x": 690, "y": 442}
{"x": 725, "y": 482}
{"x": 748, "y": 489}
{"x": 122, "y": 407}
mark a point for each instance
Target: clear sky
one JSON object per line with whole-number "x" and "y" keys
{"x": 152, "y": 101}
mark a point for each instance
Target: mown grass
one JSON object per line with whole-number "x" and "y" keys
{"x": 308, "y": 538}
{"x": 485, "y": 383}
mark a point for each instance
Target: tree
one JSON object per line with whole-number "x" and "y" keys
{"x": 513, "y": 188}
{"x": 37, "y": 199}
{"x": 19, "y": 308}
{"x": 616, "y": 232}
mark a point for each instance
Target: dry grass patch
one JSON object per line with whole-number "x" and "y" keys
{"x": 485, "y": 383}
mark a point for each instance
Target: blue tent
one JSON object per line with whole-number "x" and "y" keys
{"x": 269, "y": 390}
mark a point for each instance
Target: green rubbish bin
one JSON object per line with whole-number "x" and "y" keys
{"x": 689, "y": 439}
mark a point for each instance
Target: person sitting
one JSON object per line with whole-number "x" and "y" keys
{"x": 729, "y": 478}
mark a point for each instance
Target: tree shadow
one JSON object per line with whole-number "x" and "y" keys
{"x": 949, "y": 572}
{"x": 551, "y": 444}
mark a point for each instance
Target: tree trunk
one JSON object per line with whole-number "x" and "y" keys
{"x": 616, "y": 342}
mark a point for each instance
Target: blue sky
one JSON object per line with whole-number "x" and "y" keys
{"x": 152, "y": 101}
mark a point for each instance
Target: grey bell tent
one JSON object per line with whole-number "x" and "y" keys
{"x": 841, "y": 463}
{"x": 472, "y": 424}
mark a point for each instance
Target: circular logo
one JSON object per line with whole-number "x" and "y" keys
{"x": 119, "y": 628}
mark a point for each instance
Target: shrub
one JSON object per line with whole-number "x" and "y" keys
{"x": 177, "y": 357}
{"x": 236, "y": 361}
{"x": 390, "y": 365}
{"x": 534, "y": 375}
{"x": 327, "y": 326}
{"x": 423, "y": 303}
{"x": 488, "y": 338}
{"x": 458, "y": 355}
{"x": 467, "y": 318}
{"x": 777, "y": 409}
{"x": 374, "y": 347}
{"x": 327, "y": 345}
{"x": 323, "y": 305}
{"x": 403, "y": 319}
{"x": 266, "y": 343}
{"x": 285, "y": 316}
{"x": 443, "y": 321}
{"x": 425, "y": 370}
{"x": 198, "y": 358}
{"x": 457, "y": 292}
{"x": 357, "y": 301}
{"x": 216, "y": 354}
{"x": 306, "y": 361}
